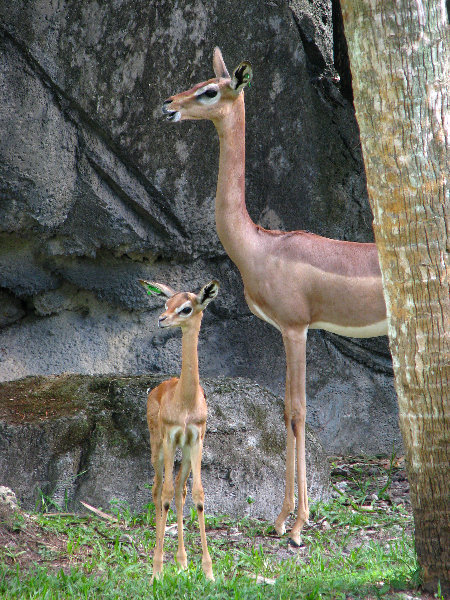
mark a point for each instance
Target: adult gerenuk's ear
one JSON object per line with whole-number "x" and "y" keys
{"x": 153, "y": 288}
{"x": 208, "y": 293}
{"x": 242, "y": 76}
{"x": 219, "y": 66}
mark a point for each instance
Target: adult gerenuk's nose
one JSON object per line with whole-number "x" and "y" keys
{"x": 160, "y": 320}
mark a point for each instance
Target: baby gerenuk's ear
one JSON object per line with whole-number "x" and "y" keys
{"x": 154, "y": 289}
{"x": 220, "y": 69}
{"x": 242, "y": 76}
{"x": 208, "y": 293}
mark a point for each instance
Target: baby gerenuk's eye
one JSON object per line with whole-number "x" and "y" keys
{"x": 210, "y": 93}
{"x": 186, "y": 310}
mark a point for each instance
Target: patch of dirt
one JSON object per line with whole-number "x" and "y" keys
{"x": 25, "y": 543}
{"x": 362, "y": 475}
{"x": 373, "y": 485}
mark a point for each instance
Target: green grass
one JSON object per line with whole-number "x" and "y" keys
{"x": 359, "y": 553}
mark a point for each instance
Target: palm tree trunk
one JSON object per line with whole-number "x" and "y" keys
{"x": 400, "y": 57}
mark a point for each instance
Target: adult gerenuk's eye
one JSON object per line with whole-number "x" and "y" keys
{"x": 186, "y": 310}
{"x": 210, "y": 93}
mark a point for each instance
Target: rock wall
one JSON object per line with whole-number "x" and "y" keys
{"x": 97, "y": 189}
{"x": 75, "y": 437}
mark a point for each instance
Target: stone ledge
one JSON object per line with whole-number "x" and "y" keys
{"x": 81, "y": 437}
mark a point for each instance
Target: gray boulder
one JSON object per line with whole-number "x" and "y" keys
{"x": 75, "y": 437}
{"x": 96, "y": 190}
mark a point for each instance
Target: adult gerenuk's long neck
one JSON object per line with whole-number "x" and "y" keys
{"x": 233, "y": 223}
{"x": 189, "y": 378}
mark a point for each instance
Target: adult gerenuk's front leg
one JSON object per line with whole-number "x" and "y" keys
{"x": 295, "y": 345}
{"x": 289, "y": 493}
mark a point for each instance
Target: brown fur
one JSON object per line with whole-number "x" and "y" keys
{"x": 176, "y": 417}
{"x": 294, "y": 280}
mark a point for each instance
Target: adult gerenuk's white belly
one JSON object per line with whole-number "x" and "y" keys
{"x": 373, "y": 330}
{"x": 256, "y": 310}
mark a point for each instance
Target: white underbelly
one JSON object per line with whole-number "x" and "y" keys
{"x": 373, "y": 330}
{"x": 262, "y": 315}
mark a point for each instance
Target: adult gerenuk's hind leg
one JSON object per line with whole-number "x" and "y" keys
{"x": 295, "y": 346}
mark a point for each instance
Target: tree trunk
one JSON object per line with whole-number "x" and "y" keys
{"x": 399, "y": 56}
